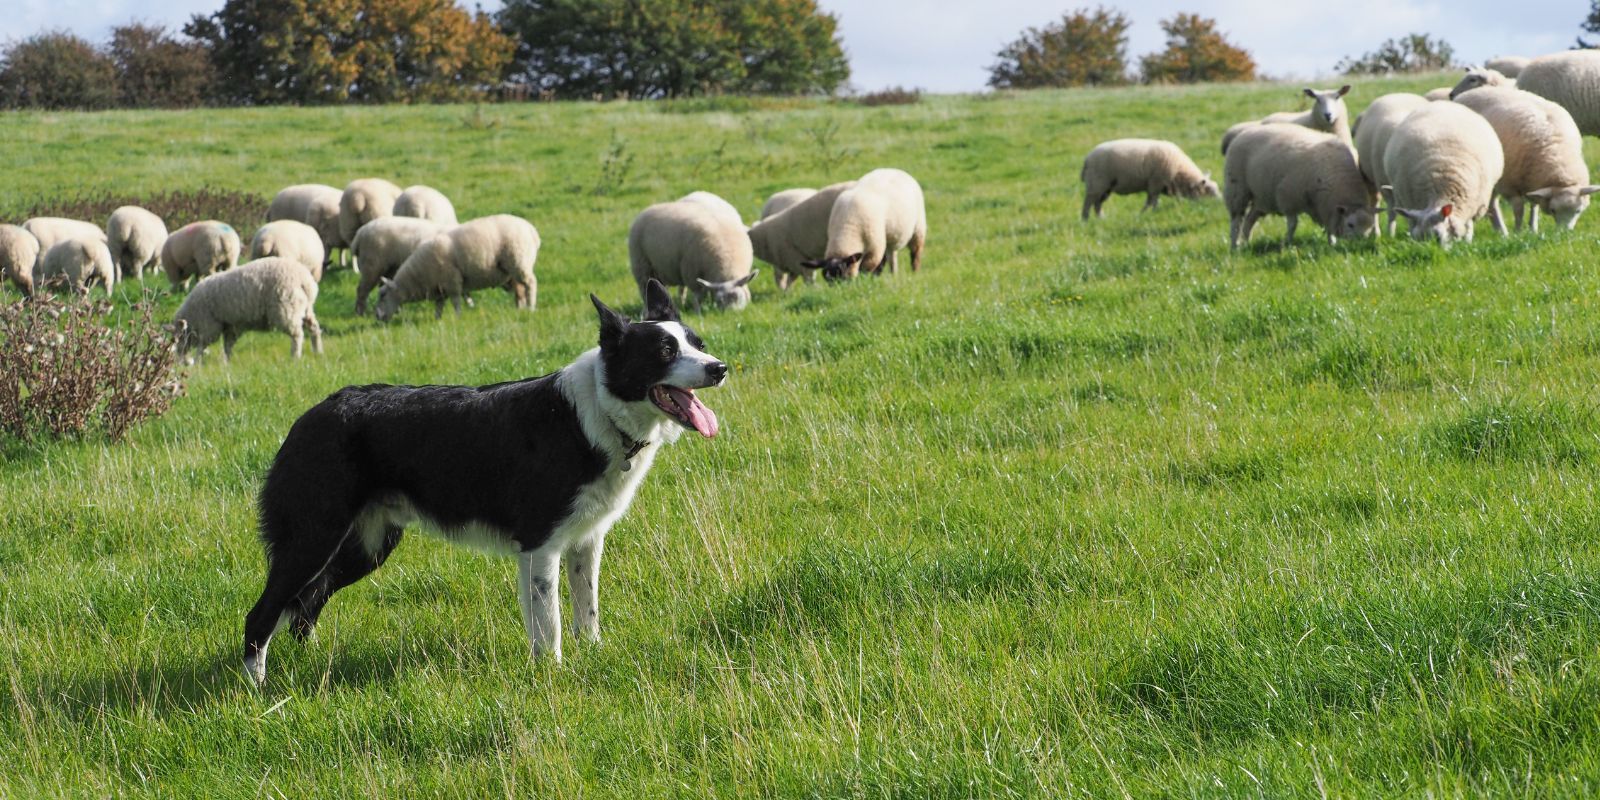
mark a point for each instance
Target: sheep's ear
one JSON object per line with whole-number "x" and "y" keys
{"x": 1411, "y": 216}
{"x": 1542, "y": 194}
{"x": 384, "y": 281}
{"x": 658, "y": 305}
{"x": 1310, "y": 92}
{"x": 747, "y": 279}
{"x": 1588, "y": 190}
{"x": 854, "y": 258}
{"x": 704, "y": 282}
{"x": 1444, "y": 213}
{"x": 1344, "y": 90}
{"x": 815, "y": 263}
{"x": 1387, "y": 192}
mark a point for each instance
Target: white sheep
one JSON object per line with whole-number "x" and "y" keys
{"x": 76, "y": 263}
{"x": 1570, "y": 79}
{"x": 316, "y": 205}
{"x": 261, "y": 295}
{"x": 1132, "y": 166}
{"x": 693, "y": 246}
{"x": 1509, "y": 66}
{"x": 499, "y": 250}
{"x": 382, "y": 245}
{"x": 364, "y": 200}
{"x": 1327, "y": 113}
{"x": 296, "y": 241}
{"x": 1293, "y": 170}
{"x": 1443, "y": 163}
{"x": 49, "y": 230}
{"x": 423, "y": 202}
{"x": 871, "y": 222}
{"x": 1372, "y": 131}
{"x": 1543, "y": 155}
{"x": 784, "y": 200}
{"x": 199, "y": 249}
{"x": 1478, "y": 78}
{"x": 19, "y": 251}
{"x": 135, "y": 236}
{"x": 791, "y": 237}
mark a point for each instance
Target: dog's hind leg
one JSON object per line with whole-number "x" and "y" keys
{"x": 362, "y": 552}
{"x": 583, "y": 581}
{"x": 538, "y": 576}
{"x": 300, "y": 544}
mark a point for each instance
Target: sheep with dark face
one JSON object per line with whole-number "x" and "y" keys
{"x": 695, "y": 246}
{"x": 870, "y": 223}
{"x": 1443, "y": 164}
{"x": 489, "y": 252}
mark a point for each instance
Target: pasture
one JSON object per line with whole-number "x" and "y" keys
{"x": 1080, "y": 510}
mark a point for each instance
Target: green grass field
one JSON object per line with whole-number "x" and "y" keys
{"x": 1080, "y": 510}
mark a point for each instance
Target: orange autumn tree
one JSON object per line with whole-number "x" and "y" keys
{"x": 1196, "y": 52}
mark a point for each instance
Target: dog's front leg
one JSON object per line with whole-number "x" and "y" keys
{"x": 538, "y": 576}
{"x": 583, "y": 580}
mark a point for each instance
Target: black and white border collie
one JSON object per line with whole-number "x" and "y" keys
{"x": 539, "y": 468}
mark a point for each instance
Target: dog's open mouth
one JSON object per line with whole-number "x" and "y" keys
{"x": 683, "y": 406}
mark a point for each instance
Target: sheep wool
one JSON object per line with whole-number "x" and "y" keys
{"x": 382, "y": 245}
{"x": 784, "y": 200}
{"x": 266, "y": 294}
{"x": 199, "y": 249}
{"x": 19, "y": 251}
{"x": 76, "y": 263}
{"x": 1443, "y": 163}
{"x": 715, "y": 203}
{"x": 423, "y": 202}
{"x": 694, "y": 246}
{"x": 493, "y": 251}
{"x": 296, "y": 241}
{"x": 364, "y": 200}
{"x": 316, "y": 205}
{"x": 135, "y": 236}
{"x": 792, "y": 236}
{"x": 1571, "y": 79}
{"x": 1509, "y": 66}
{"x": 1131, "y": 166}
{"x": 1372, "y": 131}
{"x": 1543, "y": 155}
{"x": 1293, "y": 170}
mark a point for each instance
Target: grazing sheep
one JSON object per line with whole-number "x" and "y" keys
{"x": 364, "y": 200}
{"x": 1543, "y": 155}
{"x": 481, "y": 254}
{"x": 1509, "y": 66}
{"x": 423, "y": 202}
{"x": 1132, "y": 166}
{"x": 77, "y": 263}
{"x": 1293, "y": 170}
{"x": 261, "y": 295}
{"x": 199, "y": 249}
{"x": 135, "y": 236}
{"x": 19, "y": 251}
{"x": 49, "y": 230}
{"x": 1439, "y": 94}
{"x": 694, "y": 246}
{"x": 784, "y": 200}
{"x": 296, "y": 241}
{"x": 382, "y": 245}
{"x": 1570, "y": 79}
{"x": 714, "y": 203}
{"x": 1443, "y": 163}
{"x": 870, "y": 223}
{"x": 795, "y": 235}
{"x": 316, "y": 205}
{"x": 1327, "y": 113}
{"x": 1372, "y": 131}
{"x": 1478, "y": 78}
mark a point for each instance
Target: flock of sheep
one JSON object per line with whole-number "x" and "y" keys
{"x": 1513, "y": 129}
{"x": 409, "y": 246}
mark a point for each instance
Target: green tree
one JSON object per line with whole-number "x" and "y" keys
{"x": 1591, "y": 24}
{"x": 1196, "y": 52}
{"x": 55, "y": 69}
{"x": 673, "y": 48}
{"x": 1416, "y": 52}
{"x": 156, "y": 70}
{"x": 1084, "y": 48}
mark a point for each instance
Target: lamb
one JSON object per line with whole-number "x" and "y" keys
{"x": 692, "y": 245}
{"x": 1570, "y": 79}
{"x": 134, "y": 236}
{"x": 316, "y": 205}
{"x": 77, "y": 263}
{"x": 491, "y": 251}
{"x": 265, "y": 294}
{"x": 295, "y": 241}
{"x": 784, "y": 200}
{"x": 1543, "y": 155}
{"x": 199, "y": 249}
{"x": 1509, "y": 66}
{"x": 1443, "y": 163}
{"x": 795, "y": 235}
{"x": 1131, "y": 166}
{"x": 49, "y": 230}
{"x": 1292, "y": 170}
{"x": 19, "y": 251}
{"x": 423, "y": 202}
{"x": 871, "y": 223}
{"x": 1372, "y": 131}
{"x": 382, "y": 245}
{"x": 1479, "y": 78}
{"x": 364, "y": 200}
{"x": 715, "y": 203}
{"x": 1327, "y": 113}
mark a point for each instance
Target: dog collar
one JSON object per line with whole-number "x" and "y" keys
{"x": 633, "y": 445}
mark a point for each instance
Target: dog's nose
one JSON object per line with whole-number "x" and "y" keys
{"x": 716, "y": 371}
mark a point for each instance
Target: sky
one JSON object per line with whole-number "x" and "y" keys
{"x": 948, "y": 45}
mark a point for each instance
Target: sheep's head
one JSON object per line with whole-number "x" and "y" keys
{"x": 1200, "y": 188}
{"x": 1327, "y": 107}
{"x": 1565, "y": 203}
{"x": 1478, "y": 77}
{"x": 837, "y": 268}
{"x": 734, "y": 294}
{"x": 388, "y": 301}
{"x": 1441, "y": 224}
{"x": 1356, "y": 222}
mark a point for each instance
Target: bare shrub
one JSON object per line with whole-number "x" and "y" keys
{"x": 242, "y": 210}
{"x": 895, "y": 96}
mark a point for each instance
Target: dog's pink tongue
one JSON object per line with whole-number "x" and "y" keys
{"x": 701, "y": 417}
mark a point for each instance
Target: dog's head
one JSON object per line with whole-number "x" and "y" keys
{"x": 659, "y": 360}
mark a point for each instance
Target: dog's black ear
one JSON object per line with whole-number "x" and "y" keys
{"x": 658, "y": 305}
{"x": 612, "y": 324}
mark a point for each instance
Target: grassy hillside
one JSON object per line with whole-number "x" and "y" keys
{"x": 1080, "y": 510}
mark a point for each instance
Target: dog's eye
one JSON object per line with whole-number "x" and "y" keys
{"x": 668, "y": 352}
